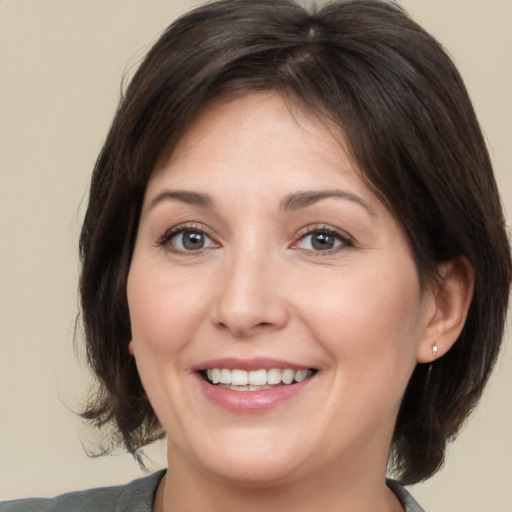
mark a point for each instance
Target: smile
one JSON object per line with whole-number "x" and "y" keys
{"x": 254, "y": 380}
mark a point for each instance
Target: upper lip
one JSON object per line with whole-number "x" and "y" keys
{"x": 258, "y": 363}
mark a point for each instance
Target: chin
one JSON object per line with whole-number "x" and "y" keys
{"x": 253, "y": 459}
{"x": 255, "y": 474}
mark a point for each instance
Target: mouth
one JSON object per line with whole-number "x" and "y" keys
{"x": 255, "y": 380}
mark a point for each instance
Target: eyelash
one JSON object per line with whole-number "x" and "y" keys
{"x": 340, "y": 236}
{"x": 164, "y": 240}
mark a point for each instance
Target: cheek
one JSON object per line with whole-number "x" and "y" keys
{"x": 163, "y": 316}
{"x": 371, "y": 320}
{"x": 164, "y": 309}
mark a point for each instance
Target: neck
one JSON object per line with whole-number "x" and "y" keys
{"x": 186, "y": 489}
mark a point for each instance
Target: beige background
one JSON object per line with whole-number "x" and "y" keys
{"x": 61, "y": 63}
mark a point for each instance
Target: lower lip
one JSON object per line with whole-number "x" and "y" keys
{"x": 251, "y": 401}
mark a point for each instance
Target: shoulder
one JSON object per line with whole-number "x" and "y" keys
{"x": 135, "y": 496}
{"x": 406, "y": 499}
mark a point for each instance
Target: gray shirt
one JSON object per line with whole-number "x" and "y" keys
{"x": 137, "y": 496}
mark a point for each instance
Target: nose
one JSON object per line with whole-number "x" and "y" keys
{"x": 249, "y": 300}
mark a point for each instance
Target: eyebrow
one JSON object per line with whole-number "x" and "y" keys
{"x": 193, "y": 198}
{"x": 292, "y": 202}
{"x": 301, "y": 200}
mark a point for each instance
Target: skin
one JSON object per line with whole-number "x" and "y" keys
{"x": 258, "y": 288}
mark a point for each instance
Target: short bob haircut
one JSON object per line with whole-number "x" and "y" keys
{"x": 406, "y": 118}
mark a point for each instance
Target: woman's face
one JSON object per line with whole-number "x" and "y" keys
{"x": 261, "y": 257}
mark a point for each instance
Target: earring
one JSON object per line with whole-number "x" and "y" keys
{"x": 429, "y": 372}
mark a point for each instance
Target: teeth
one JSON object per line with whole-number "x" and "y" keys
{"x": 239, "y": 377}
{"x": 287, "y": 376}
{"x": 254, "y": 380}
{"x": 225, "y": 377}
{"x": 214, "y": 375}
{"x": 249, "y": 387}
{"x": 258, "y": 377}
{"x": 301, "y": 375}
{"x": 274, "y": 376}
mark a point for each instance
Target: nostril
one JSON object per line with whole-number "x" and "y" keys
{"x": 245, "y": 314}
{"x": 244, "y": 329}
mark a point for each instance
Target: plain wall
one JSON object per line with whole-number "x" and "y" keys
{"x": 61, "y": 64}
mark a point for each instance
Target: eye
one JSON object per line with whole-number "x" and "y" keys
{"x": 323, "y": 239}
{"x": 187, "y": 240}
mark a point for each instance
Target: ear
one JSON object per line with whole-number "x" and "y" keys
{"x": 130, "y": 348}
{"x": 452, "y": 296}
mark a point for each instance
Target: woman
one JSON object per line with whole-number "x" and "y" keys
{"x": 294, "y": 261}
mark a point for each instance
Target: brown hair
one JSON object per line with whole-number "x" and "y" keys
{"x": 410, "y": 128}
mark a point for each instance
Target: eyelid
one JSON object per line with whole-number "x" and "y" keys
{"x": 162, "y": 241}
{"x": 344, "y": 237}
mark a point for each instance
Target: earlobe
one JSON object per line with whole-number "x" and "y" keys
{"x": 130, "y": 348}
{"x": 452, "y": 295}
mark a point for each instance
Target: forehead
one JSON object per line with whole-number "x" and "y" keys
{"x": 257, "y": 152}
{"x": 257, "y": 128}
